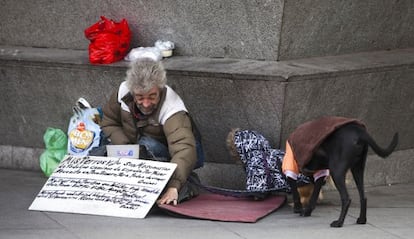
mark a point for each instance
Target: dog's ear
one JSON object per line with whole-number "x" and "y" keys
{"x": 305, "y": 192}
{"x": 231, "y": 147}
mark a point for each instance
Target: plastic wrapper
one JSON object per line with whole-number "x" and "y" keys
{"x": 84, "y": 132}
{"x": 55, "y": 142}
{"x": 144, "y": 52}
{"x": 157, "y": 52}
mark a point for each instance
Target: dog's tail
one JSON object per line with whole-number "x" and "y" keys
{"x": 381, "y": 151}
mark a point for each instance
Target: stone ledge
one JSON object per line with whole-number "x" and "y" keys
{"x": 290, "y": 70}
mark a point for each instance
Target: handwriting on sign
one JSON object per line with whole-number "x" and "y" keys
{"x": 123, "y": 201}
{"x": 143, "y": 171}
{"x": 98, "y": 185}
{"x": 117, "y": 183}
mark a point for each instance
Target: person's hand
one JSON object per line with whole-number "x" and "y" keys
{"x": 170, "y": 196}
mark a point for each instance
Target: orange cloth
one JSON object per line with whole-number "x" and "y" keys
{"x": 291, "y": 169}
{"x": 289, "y": 163}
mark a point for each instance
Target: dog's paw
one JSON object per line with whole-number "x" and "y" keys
{"x": 361, "y": 221}
{"x": 337, "y": 223}
{"x": 307, "y": 212}
{"x": 297, "y": 208}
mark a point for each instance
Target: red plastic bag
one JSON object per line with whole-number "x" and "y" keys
{"x": 109, "y": 40}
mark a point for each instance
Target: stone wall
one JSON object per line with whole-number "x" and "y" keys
{"x": 260, "y": 29}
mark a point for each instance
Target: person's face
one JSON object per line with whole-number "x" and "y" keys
{"x": 147, "y": 102}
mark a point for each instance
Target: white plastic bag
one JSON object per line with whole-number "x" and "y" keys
{"x": 144, "y": 52}
{"x": 84, "y": 130}
{"x": 156, "y": 53}
{"x": 165, "y": 47}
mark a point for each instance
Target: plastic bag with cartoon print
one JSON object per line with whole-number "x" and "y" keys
{"x": 84, "y": 132}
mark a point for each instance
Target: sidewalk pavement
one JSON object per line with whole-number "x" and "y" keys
{"x": 390, "y": 215}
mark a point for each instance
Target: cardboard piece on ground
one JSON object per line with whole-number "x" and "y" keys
{"x": 226, "y": 208}
{"x": 120, "y": 187}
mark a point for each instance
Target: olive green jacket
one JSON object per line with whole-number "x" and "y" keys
{"x": 170, "y": 124}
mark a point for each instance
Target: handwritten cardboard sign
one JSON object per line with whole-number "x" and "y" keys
{"x": 120, "y": 187}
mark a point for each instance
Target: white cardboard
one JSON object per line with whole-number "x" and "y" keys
{"x": 120, "y": 187}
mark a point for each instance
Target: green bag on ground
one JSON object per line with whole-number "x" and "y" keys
{"x": 56, "y": 142}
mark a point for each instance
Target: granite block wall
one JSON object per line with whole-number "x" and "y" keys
{"x": 260, "y": 30}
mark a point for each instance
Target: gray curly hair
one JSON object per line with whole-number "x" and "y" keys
{"x": 144, "y": 74}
